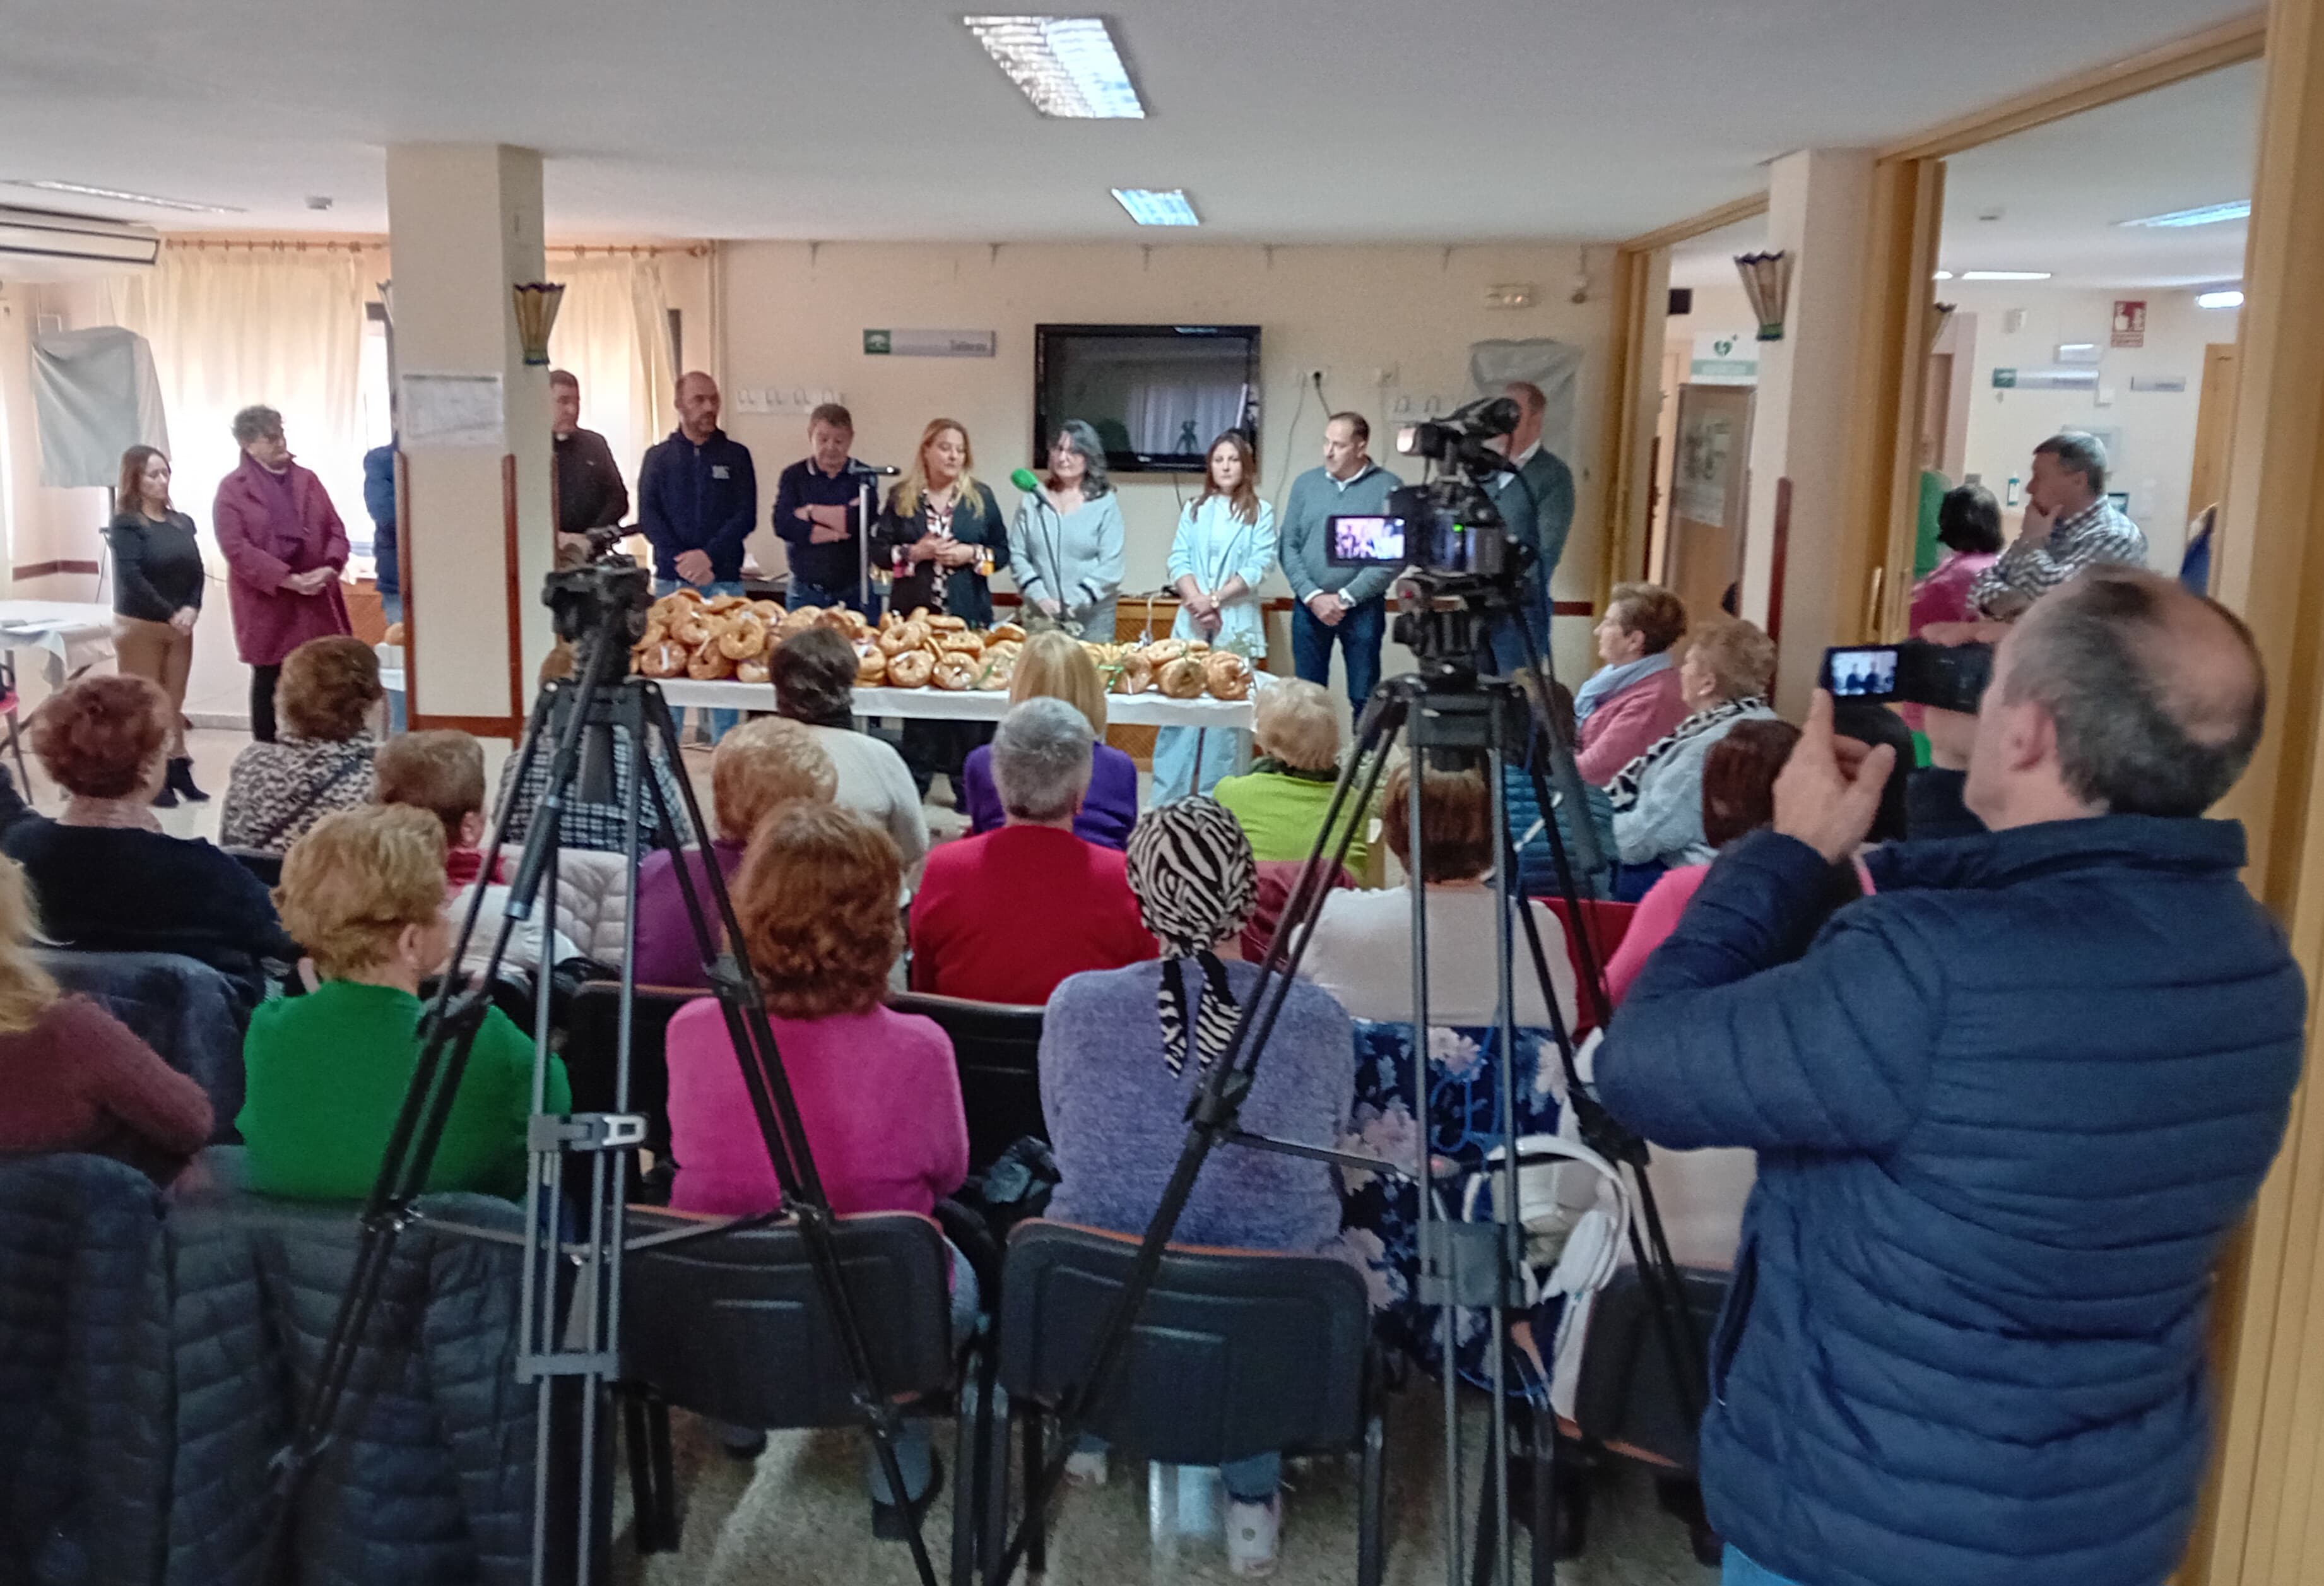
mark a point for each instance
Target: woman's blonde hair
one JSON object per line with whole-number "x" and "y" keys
{"x": 1738, "y": 656}
{"x": 766, "y": 761}
{"x": 1054, "y": 665}
{"x": 915, "y": 482}
{"x": 356, "y": 879}
{"x": 1294, "y": 722}
{"x": 26, "y": 989}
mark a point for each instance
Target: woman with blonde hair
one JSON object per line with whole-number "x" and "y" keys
{"x": 76, "y": 1078}
{"x": 1281, "y": 803}
{"x": 1054, "y": 665}
{"x": 157, "y": 597}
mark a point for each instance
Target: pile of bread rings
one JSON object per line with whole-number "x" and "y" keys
{"x": 722, "y": 637}
{"x": 1180, "y": 668}
{"x": 924, "y": 651}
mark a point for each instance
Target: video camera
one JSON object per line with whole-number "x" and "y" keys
{"x": 1447, "y": 528}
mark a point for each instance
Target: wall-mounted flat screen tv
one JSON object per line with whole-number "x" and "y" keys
{"x": 1157, "y": 395}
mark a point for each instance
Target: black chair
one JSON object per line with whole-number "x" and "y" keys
{"x": 189, "y": 1013}
{"x": 997, "y": 1048}
{"x": 266, "y": 867}
{"x": 733, "y": 1326}
{"x": 592, "y": 1043}
{"x": 1235, "y": 1352}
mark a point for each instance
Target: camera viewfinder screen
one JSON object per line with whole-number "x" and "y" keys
{"x": 1869, "y": 673}
{"x": 1369, "y": 540}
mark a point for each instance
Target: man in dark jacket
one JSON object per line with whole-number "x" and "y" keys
{"x": 697, "y": 498}
{"x": 590, "y": 493}
{"x": 2007, "y": 1109}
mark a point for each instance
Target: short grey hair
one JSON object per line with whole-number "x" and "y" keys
{"x": 2132, "y": 739}
{"x": 256, "y": 421}
{"x": 1041, "y": 759}
{"x": 2078, "y": 453}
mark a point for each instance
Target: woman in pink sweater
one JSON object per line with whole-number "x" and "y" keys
{"x": 1631, "y": 703}
{"x": 816, "y": 898}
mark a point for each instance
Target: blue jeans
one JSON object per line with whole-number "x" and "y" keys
{"x": 1247, "y": 1481}
{"x": 722, "y": 721}
{"x": 801, "y": 593}
{"x": 1739, "y": 1571}
{"x": 390, "y": 612}
{"x": 1359, "y": 634}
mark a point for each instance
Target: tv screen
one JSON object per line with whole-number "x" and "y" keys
{"x": 1157, "y": 395}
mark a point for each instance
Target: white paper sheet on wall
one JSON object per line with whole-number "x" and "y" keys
{"x": 451, "y": 410}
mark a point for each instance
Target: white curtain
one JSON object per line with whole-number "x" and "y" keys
{"x": 1181, "y": 415}
{"x": 613, "y": 333}
{"x": 234, "y": 326}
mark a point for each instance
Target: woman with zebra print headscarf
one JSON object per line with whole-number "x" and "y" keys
{"x": 1123, "y": 1049}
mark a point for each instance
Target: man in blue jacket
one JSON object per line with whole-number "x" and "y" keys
{"x": 2008, "y": 1109}
{"x": 697, "y": 498}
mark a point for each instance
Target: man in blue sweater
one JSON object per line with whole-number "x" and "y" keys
{"x": 2008, "y": 1110}
{"x": 697, "y": 497}
{"x": 1343, "y": 605}
{"x": 822, "y": 511}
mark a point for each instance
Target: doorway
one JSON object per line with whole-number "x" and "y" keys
{"x": 1711, "y": 458}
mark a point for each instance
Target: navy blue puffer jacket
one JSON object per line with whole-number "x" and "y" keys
{"x": 2007, "y": 1111}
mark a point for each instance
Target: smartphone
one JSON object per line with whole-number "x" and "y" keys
{"x": 1942, "y": 677}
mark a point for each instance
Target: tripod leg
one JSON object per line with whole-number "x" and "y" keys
{"x": 1037, "y": 1522}
{"x": 1545, "y": 1495}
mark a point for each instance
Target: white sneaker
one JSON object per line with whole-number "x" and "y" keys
{"x": 1254, "y": 1531}
{"x": 1086, "y": 1468}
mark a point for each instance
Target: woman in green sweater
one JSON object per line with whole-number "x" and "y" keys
{"x": 1280, "y": 805}
{"x": 326, "y": 1073}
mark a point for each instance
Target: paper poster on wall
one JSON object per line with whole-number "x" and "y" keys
{"x": 1725, "y": 357}
{"x": 1707, "y": 448}
{"x": 2130, "y": 322}
{"x": 451, "y": 410}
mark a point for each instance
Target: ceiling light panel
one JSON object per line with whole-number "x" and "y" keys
{"x": 120, "y": 196}
{"x": 2004, "y": 275}
{"x": 1149, "y": 207}
{"x": 1067, "y": 65}
{"x": 2209, "y": 215}
{"x": 2228, "y": 299}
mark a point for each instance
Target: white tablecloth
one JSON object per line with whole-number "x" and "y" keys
{"x": 70, "y": 633}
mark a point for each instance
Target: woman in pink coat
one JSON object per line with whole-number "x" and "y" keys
{"x": 1631, "y": 703}
{"x": 284, "y": 546}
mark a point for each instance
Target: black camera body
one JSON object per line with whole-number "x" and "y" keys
{"x": 1446, "y": 528}
{"x": 1942, "y": 677}
{"x": 610, "y": 594}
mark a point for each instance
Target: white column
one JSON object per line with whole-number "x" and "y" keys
{"x": 465, "y": 224}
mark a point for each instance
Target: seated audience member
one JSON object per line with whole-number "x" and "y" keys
{"x": 322, "y": 760}
{"x": 765, "y": 761}
{"x": 1739, "y": 796}
{"x": 1054, "y": 665}
{"x": 814, "y": 676}
{"x": 1123, "y": 1051}
{"x": 1538, "y": 874}
{"x": 1625, "y": 706}
{"x": 603, "y": 827}
{"x": 326, "y": 1073}
{"x": 878, "y": 1092}
{"x": 1281, "y": 802}
{"x": 1658, "y": 797}
{"x": 1003, "y": 917}
{"x": 104, "y": 877}
{"x": 443, "y": 772}
{"x": 1968, "y": 526}
{"x": 73, "y": 1077}
{"x": 1361, "y": 951}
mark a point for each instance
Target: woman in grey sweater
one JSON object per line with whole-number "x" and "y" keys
{"x": 1066, "y": 544}
{"x": 1121, "y": 1053}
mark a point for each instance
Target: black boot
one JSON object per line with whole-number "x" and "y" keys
{"x": 182, "y": 782}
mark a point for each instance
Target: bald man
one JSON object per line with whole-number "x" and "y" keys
{"x": 697, "y": 498}
{"x": 2008, "y": 1110}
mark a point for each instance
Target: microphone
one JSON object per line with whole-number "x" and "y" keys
{"x": 1025, "y": 480}
{"x": 854, "y": 466}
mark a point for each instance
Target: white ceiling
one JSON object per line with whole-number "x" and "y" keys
{"x": 1291, "y": 120}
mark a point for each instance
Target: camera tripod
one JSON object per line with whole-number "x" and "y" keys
{"x": 1450, "y": 714}
{"x": 570, "y": 1302}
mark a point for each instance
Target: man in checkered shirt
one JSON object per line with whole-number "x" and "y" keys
{"x": 2067, "y": 489}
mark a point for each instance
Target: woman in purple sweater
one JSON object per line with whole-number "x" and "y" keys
{"x": 1122, "y": 1052}
{"x": 1054, "y": 665}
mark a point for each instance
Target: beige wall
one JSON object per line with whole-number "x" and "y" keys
{"x": 793, "y": 316}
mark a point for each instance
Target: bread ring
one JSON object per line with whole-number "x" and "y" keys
{"x": 664, "y": 660}
{"x": 656, "y": 631}
{"x": 1198, "y": 647}
{"x": 1182, "y": 679}
{"x": 745, "y": 638}
{"x": 1227, "y": 675}
{"x": 839, "y": 620}
{"x": 1163, "y": 651}
{"x": 961, "y": 642}
{"x": 871, "y": 669}
{"x": 707, "y": 664}
{"x": 691, "y": 627}
{"x": 999, "y": 668}
{"x": 1134, "y": 674}
{"x": 1005, "y": 633}
{"x": 947, "y": 624}
{"x": 902, "y": 637}
{"x": 769, "y": 611}
{"x": 723, "y": 604}
{"x": 956, "y": 672}
{"x": 919, "y": 615}
{"x": 911, "y": 669}
{"x": 752, "y": 671}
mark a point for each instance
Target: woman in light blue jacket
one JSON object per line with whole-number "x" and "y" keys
{"x": 1225, "y": 546}
{"x": 1066, "y": 547}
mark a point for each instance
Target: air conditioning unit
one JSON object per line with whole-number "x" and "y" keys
{"x": 32, "y": 235}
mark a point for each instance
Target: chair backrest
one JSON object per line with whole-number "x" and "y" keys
{"x": 183, "y": 1009}
{"x": 267, "y": 867}
{"x": 1624, "y": 1392}
{"x": 1278, "y": 879}
{"x": 1235, "y": 1352}
{"x": 592, "y": 1034}
{"x": 997, "y": 1048}
{"x": 734, "y": 1325}
{"x": 1608, "y": 923}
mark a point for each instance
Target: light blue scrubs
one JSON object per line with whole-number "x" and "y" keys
{"x": 1212, "y": 545}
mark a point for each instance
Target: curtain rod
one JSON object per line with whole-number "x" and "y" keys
{"x": 303, "y": 245}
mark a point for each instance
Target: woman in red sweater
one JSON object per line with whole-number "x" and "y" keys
{"x": 74, "y": 1078}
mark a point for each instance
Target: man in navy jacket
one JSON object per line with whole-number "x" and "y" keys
{"x": 2008, "y": 1109}
{"x": 697, "y": 498}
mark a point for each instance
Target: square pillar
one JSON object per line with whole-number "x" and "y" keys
{"x": 464, "y": 223}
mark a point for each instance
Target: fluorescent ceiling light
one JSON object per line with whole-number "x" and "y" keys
{"x": 119, "y": 196}
{"x": 2230, "y": 298}
{"x": 2004, "y": 275}
{"x": 1149, "y": 207}
{"x": 1942, "y": 275}
{"x": 2209, "y": 215}
{"x": 1067, "y": 65}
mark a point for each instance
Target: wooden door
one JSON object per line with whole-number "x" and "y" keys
{"x": 2215, "y": 432}
{"x": 1710, "y": 468}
